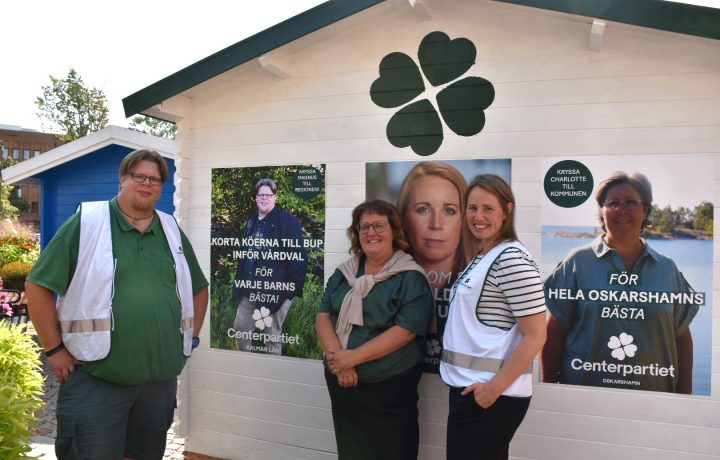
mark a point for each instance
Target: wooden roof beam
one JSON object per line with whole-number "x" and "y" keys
{"x": 277, "y": 63}
{"x": 597, "y": 33}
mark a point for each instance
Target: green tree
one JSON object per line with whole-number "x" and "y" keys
{"x": 154, "y": 126}
{"x": 7, "y": 209}
{"x": 18, "y": 201}
{"x": 71, "y": 108}
{"x": 703, "y": 217}
{"x": 662, "y": 219}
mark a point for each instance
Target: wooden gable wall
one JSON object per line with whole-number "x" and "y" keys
{"x": 645, "y": 92}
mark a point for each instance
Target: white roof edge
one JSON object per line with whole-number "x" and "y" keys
{"x": 88, "y": 144}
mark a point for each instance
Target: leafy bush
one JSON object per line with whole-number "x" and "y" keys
{"x": 21, "y": 384}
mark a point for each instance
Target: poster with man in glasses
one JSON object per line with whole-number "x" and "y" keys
{"x": 267, "y": 258}
{"x": 627, "y": 257}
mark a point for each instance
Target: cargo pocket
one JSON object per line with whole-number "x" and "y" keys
{"x": 66, "y": 441}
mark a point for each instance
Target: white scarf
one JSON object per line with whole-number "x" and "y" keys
{"x": 351, "y": 310}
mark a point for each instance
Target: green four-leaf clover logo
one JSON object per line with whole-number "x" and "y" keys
{"x": 461, "y": 103}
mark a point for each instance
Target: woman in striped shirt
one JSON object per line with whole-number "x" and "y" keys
{"x": 495, "y": 328}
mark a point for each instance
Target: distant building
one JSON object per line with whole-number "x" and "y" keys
{"x": 86, "y": 169}
{"x": 21, "y": 144}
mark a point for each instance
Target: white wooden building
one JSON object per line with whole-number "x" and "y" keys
{"x": 622, "y": 78}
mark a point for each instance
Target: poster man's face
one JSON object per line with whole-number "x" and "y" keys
{"x": 433, "y": 221}
{"x": 265, "y": 199}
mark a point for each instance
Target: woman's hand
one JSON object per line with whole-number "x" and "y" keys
{"x": 348, "y": 378}
{"x": 341, "y": 360}
{"x": 533, "y": 330}
{"x": 485, "y": 394}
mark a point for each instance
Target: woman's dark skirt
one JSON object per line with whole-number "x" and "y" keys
{"x": 377, "y": 420}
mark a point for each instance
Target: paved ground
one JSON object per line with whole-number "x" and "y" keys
{"x": 43, "y": 441}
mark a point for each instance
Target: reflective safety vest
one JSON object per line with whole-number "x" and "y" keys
{"x": 472, "y": 351}
{"x": 85, "y": 311}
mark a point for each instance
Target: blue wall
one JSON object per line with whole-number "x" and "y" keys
{"x": 92, "y": 177}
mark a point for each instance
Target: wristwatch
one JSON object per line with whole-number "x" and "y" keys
{"x": 195, "y": 342}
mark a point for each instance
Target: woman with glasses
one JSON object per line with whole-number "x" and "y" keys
{"x": 372, "y": 324}
{"x": 612, "y": 327}
{"x": 495, "y": 328}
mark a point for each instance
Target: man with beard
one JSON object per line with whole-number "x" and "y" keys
{"x": 132, "y": 299}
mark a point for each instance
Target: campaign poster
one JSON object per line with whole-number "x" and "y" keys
{"x": 627, "y": 259}
{"x": 267, "y": 259}
{"x": 429, "y": 196}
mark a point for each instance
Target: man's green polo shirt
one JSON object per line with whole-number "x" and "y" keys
{"x": 146, "y": 342}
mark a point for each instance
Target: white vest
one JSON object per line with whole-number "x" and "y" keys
{"x": 472, "y": 351}
{"x": 85, "y": 311}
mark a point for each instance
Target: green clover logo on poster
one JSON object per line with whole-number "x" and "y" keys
{"x": 461, "y": 103}
{"x": 568, "y": 183}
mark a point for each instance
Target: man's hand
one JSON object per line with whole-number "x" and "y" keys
{"x": 63, "y": 364}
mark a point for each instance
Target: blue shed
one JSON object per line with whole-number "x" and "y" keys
{"x": 87, "y": 170}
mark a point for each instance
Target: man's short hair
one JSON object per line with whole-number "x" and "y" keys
{"x": 267, "y": 182}
{"x": 132, "y": 159}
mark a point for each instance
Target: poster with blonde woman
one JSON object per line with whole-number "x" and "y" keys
{"x": 627, "y": 261}
{"x": 430, "y": 198}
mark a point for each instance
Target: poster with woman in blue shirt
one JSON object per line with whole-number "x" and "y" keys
{"x": 627, "y": 257}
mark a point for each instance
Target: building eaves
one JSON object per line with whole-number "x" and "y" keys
{"x": 701, "y": 21}
{"x": 87, "y": 144}
{"x": 656, "y": 14}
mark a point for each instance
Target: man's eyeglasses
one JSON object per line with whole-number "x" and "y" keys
{"x": 265, "y": 196}
{"x": 630, "y": 204}
{"x": 141, "y": 178}
{"x": 379, "y": 226}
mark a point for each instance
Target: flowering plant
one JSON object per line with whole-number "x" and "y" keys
{"x": 15, "y": 269}
{"x": 5, "y": 306}
{"x": 18, "y": 244}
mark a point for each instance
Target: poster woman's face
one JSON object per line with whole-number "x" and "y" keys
{"x": 623, "y": 211}
{"x": 433, "y": 220}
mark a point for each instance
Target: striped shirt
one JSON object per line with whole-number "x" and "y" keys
{"x": 512, "y": 289}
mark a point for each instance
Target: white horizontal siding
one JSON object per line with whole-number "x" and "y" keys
{"x": 644, "y": 93}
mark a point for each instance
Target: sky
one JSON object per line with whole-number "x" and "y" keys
{"x": 121, "y": 47}
{"x": 118, "y": 47}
